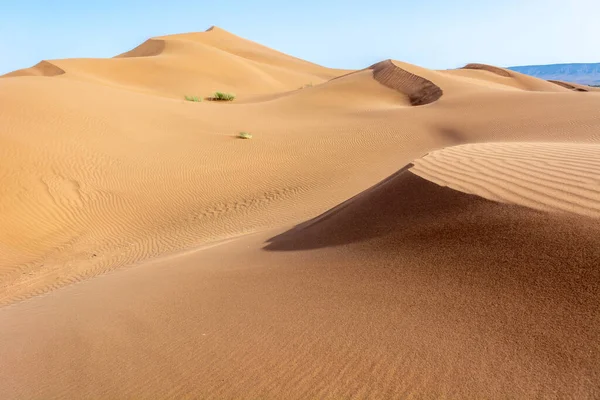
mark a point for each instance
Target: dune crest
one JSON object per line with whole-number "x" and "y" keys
{"x": 419, "y": 90}
{"x": 176, "y": 65}
{"x": 150, "y": 48}
{"x": 546, "y": 176}
{"x": 490, "y": 68}
{"x": 573, "y": 86}
{"x": 43, "y": 68}
{"x": 516, "y": 79}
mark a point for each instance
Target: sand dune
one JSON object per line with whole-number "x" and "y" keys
{"x": 389, "y": 232}
{"x": 409, "y": 289}
{"x": 43, "y": 68}
{"x": 517, "y": 79}
{"x": 507, "y": 78}
{"x": 418, "y": 89}
{"x": 575, "y": 87}
{"x": 356, "y": 90}
{"x": 195, "y": 64}
{"x": 545, "y": 176}
{"x": 150, "y": 48}
{"x": 503, "y": 72}
{"x": 571, "y": 86}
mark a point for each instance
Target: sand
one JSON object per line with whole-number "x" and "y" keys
{"x": 576, "y": 87}
{"x": 393, "y": 232}
{"x": 560, "y": 177}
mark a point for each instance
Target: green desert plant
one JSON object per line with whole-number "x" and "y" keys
{"x": 244, "y": 135}
{"x": 220, "y": 96}
{"x": 193, "y": 98}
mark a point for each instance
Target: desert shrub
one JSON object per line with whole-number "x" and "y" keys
{"x": 193, "y": 98}
{"x": 220, "y": 96}
{"x": 244, "y": 135}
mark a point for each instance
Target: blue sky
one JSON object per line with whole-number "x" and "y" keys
{"x": 335, "y": 33}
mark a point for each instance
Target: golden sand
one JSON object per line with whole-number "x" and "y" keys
{"x": 393, "y": 232}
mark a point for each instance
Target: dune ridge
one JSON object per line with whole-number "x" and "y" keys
{"x": 573, "y": 86}
{"x": 150, "y": 48}
{"x": 176, "y": 65}
{"x": 495, "y": 70}
{"x": 515, "y": 79}
{"x": 419, "y": 90}
{"x": 545, "y": 176}
{"x": 43, "y": 68}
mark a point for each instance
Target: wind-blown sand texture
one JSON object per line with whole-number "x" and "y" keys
{"x": 393, "y": 232}
{"x": 545, "y": 176}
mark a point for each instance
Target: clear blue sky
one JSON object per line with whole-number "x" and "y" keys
{"x": 335, "y": 33}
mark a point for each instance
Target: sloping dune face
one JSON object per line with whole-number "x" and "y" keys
{"x": 573, "y": 86}
{"x": 419, "y": 90}
{"x": 561, "y": 177}
{"x": 43, "y": 68}
{"x": 490, "y": 68}
{"x": 196, "y": 64}
{"x": 150, "y": 48}
{"x": 407, "y": 290}
{"x": 506, "y": 77}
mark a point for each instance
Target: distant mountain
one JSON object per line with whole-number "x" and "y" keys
{"x": 586, "y": 74}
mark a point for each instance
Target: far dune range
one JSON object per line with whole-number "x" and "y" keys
{"x": 391, "y": 232}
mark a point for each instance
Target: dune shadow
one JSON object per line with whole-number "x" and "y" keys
{"x": 150, "y": 48}
{"x": 420, "y": 91}
{"x": 391, "y": 206}
{"x": 405, "y": 208}
{"x": 567, "y": 85}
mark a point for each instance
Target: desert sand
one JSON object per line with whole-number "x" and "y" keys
{"x": 391, "y": 232}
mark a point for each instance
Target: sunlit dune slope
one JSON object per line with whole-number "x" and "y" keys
{"x": 575, "y": 86}
{"x": 511, "y": 78}
{"x": 195, "y": 64}
{"x": 547, "y": 176}
{"x": 410, "y": 85}
{"x": 482, "y": 299}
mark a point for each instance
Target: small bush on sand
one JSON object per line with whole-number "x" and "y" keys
{"x": 220, "y": 96}
{"x": 244, "y": 135}
{"x": 193, "y": 98}
{"x": 306, "y": 85}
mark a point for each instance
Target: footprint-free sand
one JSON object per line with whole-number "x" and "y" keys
{"x": 391, "y": 232}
